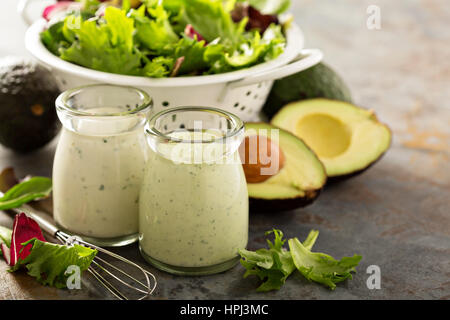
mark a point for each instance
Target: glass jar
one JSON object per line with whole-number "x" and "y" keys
{"x": 193, "y": 212}
{"x": 100, "y": 161}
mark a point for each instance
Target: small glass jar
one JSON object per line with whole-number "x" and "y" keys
{"x": 193, "y": 213}
{"x": 100, "y": 161}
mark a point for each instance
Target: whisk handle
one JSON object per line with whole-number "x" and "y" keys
{"x": 42, "y": 218}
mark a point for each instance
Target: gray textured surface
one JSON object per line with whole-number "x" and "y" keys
{"x": 396, "y": 215}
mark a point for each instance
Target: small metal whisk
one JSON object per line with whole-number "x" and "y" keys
{"x": 103, "y": 271}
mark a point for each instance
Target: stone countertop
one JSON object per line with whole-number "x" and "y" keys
{"x": 396, "y": 215}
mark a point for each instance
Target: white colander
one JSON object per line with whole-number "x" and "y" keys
{"x": 241, "y": 92}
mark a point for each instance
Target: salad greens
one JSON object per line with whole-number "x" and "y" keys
{"x": 26, "y": 191}
{"x": 25, "y": 246}
{"x": 48, "y": 262}
{"x": 166, "y": 37}
{"x": 274, "y": 265}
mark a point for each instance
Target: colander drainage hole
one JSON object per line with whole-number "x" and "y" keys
{"x": 242, "y": 108}
{"x": 165, "y": 103}
{"x": 249, "y": 93}
{"x": 236, "y": 104}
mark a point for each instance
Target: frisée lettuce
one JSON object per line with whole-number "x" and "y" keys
{"x": 164, "y": 38}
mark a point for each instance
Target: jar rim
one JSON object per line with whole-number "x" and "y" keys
{"x": 237, "y": 128}
{"x": 62, "y": 101}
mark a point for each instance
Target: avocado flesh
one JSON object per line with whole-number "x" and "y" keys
{"x": 346, "y": 138}
{"x": 298, "y": 182}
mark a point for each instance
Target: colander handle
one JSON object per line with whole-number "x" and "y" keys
{"x": 306, "y": 59}
{"x": 22, "y": 7}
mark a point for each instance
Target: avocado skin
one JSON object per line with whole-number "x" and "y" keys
{"x": 282, "y": 205}
{"x": 319, "y": 81}
{"x": 28, "y": 91}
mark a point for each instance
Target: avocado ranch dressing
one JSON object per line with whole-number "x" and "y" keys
{"x": 100, "y": 161}
{"x": 193, "y": 203}
{"x": 97, "y": 182}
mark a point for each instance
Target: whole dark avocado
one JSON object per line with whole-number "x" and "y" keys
{"x": 28, "y": 92}
{"x": 319, "y": 81}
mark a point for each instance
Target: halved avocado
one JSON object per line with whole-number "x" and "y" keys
{"x": 297, "y": 183}
{"x": 347, "y": 139}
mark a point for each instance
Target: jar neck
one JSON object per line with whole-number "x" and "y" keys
{"x": 96, "y": 125}
{"x": 195, "y": 134}
{"x": 103, "y": 109}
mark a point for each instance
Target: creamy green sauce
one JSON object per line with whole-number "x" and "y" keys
{"x": 193, "y": 214}
{"x": 96, "y": 183}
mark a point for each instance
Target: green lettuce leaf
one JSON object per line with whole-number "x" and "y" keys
{"x": 212, "y": 20}
{"x": 193, "y": 52}
{"x": 153, "y": 32}
{"x": 48, "y": 262}
{"x": 273, "y": 266}
{"x": 320, "y": 267}
{"x": 31, "y": 189}
{"x": 158, "y": 67}
{"x": 107, "y": 46}
{"x": 53, "y": 38}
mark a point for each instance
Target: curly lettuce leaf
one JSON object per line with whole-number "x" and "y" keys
{"x": 273, "y": 266}
{"x": 320, "y": 267}
{"x": 106, "y": 46}
{"x": 192, "y": 52}
{"x": 158, "y": 67}
{"x": 153, "y": 32}
{"x": 251, "y": 50}
{"x": 54, "y": 39}
{"x": 48, "y": 262}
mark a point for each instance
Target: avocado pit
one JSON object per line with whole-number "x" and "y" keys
{"x": 261, "y": 158}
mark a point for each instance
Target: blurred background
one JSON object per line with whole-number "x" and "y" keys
{"x": 399, "y": 210}
{"x": 400, "y": 70}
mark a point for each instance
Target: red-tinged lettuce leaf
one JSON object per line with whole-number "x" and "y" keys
{"x": 256, "y": 19}
{"x": 5, "y": 242}
{"x": 57, "y": 8}
{"x": 6, "y": 253}
{"x": 49, "y": 262}
{"x": 5, "y": 236}
{"x": 24, "y": 229}
{"x": 191, "y": 33}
